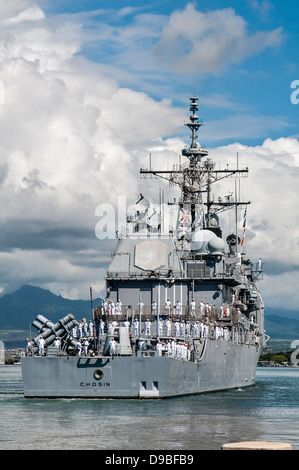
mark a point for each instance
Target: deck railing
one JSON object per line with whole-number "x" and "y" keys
{"x": 209, "y": 312}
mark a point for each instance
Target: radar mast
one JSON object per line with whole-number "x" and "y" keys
{"x": 195, "y": 178}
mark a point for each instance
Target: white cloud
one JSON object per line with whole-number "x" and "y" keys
{"x": 273, "y": 215}
{"x": 263, "y": 8}
{"x": 70, "y": 140}
{"x": 198, "y": 43}
{"x": 32, "y": 13}
{"x": 150, "y": 51}
{"x": 11, "y": 8}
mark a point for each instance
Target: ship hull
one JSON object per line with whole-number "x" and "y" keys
{"x": 223, "y": 365}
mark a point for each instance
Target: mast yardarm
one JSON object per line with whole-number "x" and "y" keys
{"x": 195, "y": 177}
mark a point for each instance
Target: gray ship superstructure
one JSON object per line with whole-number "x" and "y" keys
{"x": 183, "y": 313}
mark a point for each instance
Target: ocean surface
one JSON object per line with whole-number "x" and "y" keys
{"x": 267, "y": 411}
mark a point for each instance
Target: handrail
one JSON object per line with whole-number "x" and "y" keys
{"x": 186, "y": 312}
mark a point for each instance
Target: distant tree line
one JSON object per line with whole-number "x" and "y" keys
{"x": 278, "y": 357}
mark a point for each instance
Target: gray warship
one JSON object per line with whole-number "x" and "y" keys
{"x": 183, "y": 312}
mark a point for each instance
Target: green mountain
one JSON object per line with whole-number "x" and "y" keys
{"x": 19, "y": 309}
{"x": 281, "y": 327}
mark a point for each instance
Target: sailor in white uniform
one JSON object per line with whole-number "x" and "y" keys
{"x": 85, "y": 346}
{"x": 178, "y": 308}
{"x": 57, "y": 344}
{"x": 188, "y": 329}
{"x": 208, "y": 310}
{"x": 159, "y": 348}
{"x": 147, "y": 327}
{"x": 101, "y": 327}
{"x": 168, "y": 327}
{"x": 136, "y": 326}
{"x": 41, "y": 346}
{"x": 118, "y": 307}
{"x": 85, "y": 328}
{"x": 154, "y": 308}
{"x": 195, "y": 329}
{"x": 183, "y": 329}
{"x": 90, "y": 328}
{"x": 80, "y": 330}
{"x": 160, "y": 326}
{"x": 104, "y": 307}
{"x": 112, "y": 347}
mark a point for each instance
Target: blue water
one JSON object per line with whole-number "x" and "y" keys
{"x": 268, "y": 411}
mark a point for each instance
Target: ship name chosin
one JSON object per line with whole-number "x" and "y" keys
{"x": 94, "y": 384}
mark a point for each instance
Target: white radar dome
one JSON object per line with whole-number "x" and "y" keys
{"x": 205, "y": 241}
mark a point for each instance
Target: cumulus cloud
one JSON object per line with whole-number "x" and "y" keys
{"x": 13, "y": 8}
{"x": 198, "y": 43}
{"x": 263, "y": 8}
{"x": 272, "y": 217}
{"x": 69, "y": 140}
{"x": 147, "y": 51}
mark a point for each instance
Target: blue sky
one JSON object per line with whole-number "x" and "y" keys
{"x": 92, "y": 88}
{"x": 255, "y": 88}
